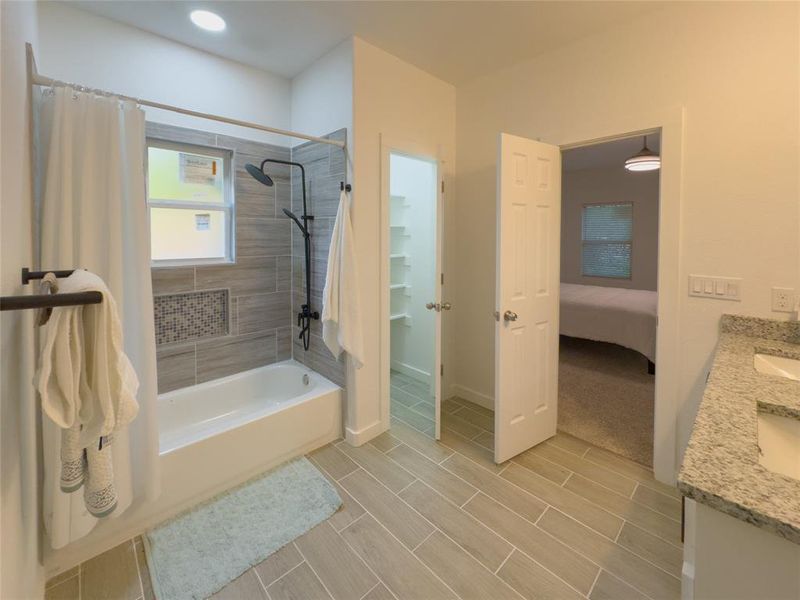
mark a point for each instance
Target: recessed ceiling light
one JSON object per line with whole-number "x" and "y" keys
{"x": 207, "y": 20}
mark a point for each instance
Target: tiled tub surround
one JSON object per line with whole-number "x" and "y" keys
{"x": 191, "y": 316}
{"x": 720, "y": 466}
{"x": 258, "y": 285}
{"x": 325, "y": 169}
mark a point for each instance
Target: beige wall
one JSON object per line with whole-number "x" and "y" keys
{"x": 594, "y": 186}
{"x": 734, "y": 66}
{"x": 21, "y": 573}
{"x": 395, "y": 99}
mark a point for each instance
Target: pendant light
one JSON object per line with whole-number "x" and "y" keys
{"x": 644, "y": 160}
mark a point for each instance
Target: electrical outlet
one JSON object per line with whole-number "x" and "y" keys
{"x": 783, "y": 299}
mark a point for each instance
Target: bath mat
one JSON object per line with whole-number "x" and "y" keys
{"x": 203, "y": 549}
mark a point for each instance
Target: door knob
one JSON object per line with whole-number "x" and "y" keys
{"x": 509, "y": 316}
{"x": 434, "y": 306}
{"x": 446, "y": 306}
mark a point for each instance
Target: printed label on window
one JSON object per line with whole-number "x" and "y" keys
{"x": 202, "y": 222}
{"x": 197, "y": 169}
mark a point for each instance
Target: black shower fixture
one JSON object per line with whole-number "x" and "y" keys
{"x": 306, "y": 314}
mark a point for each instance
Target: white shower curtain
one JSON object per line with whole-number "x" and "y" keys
{"x": 93, "y": 215}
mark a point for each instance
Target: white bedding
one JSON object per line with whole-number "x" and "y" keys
{"x": 606, "y": 314}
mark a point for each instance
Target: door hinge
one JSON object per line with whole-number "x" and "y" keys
{"x": 441, "y": 278}
{"x": 441, "y": 370}
{"x": 443, "y": 186}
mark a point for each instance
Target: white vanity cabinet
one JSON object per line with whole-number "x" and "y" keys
{"x": 725, "y": 558}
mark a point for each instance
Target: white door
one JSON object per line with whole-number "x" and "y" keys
{"x": 526, "y": 339}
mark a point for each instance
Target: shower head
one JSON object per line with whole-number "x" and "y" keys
{"x": 258, "y": 174}
{"x": 294, "y": 218}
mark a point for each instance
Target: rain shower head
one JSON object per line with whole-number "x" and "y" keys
{"x": 294, "y": 218}
{"x": 259, "y": 175}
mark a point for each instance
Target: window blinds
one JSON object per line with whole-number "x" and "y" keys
{"x": 607, "y": 232}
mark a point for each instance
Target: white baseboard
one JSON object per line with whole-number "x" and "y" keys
{"x": 361, "y": 437}
{"x": 469, "y": 394}
{"x": 413, "y": 372}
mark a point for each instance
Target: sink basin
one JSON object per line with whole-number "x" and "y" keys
{"x": 779, "y": 442}
{"x": 777, "y": 365}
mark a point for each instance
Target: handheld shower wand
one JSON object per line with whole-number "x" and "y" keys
{"x": 306, "y": 314}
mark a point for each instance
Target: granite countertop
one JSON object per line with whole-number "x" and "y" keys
{"x": 720, "y": 466}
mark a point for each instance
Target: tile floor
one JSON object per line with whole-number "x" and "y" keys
{"x": 425, "y": 520}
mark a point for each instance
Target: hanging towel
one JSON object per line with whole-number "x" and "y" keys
{"x": 88, "y": 388}
{"x": 341, "y": 312}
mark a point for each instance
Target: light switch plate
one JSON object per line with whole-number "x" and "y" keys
{"x": 720, "y": 288}
{"x": 783, "y": 299}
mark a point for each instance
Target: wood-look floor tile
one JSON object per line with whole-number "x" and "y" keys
{"x": 144, "y": 571}
{"x": 443, "y": 481}
{"x": 501, "y": 490}
{"x": 68, "y": 574}
{"x": 612, "y": 557}
{"x": 396, "y": 566}
{"x": 652, "y": 548}
{"x": 112, "y": 574}
{"x": 333, "y": 461}
{"x": 377, "y": 464}
{"x": 420, "y": 442}
{"x": 298, "y": 584}
{"x": 636, "y": 513}
{"x": 419, "y": 389}
{"x": 552, "y": 554}
{"x": 426, "y": 409}
{"x": 451, "y": 405}
{"x": 541, "y": 466}
{"x": 394, "y": 514}
{"x": 246, "y": 585}
{"x": 570, "y": 443}
{"x": 454, "y": 422}
{"x": 414, "y": 419}
{"x": 348, "y": 512}
{"x": 342, "y": 572}
{"x": 610, "y": 479}
{"x": 278, "y": 564}
{"x": 385, "y": 441}
{"x": 566, "y": 501}
{"x": 465, "y": 575}
{"x": 379, "y": 592}
{"x": 403, "y": 397}
{"x": 64, "y": 589}
{"x": 479, "y": 419}
{"x": 609, "y": 587}
{"x": 478, "y": 454}
{"x": 533, "y": 581}
{"x": 485, "y": 439}
{"x": 400, "y": 379}
{"x": 666, "y": 505}
{"x": 473, "y": 536}
{"x": 630, "y": 469}
{"x": 488, "y": 412}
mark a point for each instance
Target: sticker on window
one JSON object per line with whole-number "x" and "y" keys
{"x": 197, "y": 169}
{"x": 202, "y": 221}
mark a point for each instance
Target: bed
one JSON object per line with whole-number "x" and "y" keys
{"x": 606, "y": 314}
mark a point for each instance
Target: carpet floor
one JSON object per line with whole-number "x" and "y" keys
{"x": 606, "y": 397}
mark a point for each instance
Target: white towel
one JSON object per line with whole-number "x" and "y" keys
{"x": 88, "y": 388}
{"x": 341, "y": 311}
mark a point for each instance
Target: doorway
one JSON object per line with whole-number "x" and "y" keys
{"x": 412, "y": 286}
{"x": 608, "y": 296}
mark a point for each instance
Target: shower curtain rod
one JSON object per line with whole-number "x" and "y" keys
{"x": 37, "y": 79}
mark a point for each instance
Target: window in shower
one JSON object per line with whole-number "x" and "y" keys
{"x": 190, "y": 200}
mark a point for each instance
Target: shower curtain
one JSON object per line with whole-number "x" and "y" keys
{"x": 93, "y": 215}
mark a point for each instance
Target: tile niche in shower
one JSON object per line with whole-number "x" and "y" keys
{"x": 192, "y": 316}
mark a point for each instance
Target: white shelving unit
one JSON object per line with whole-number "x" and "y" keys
{"x": 400, "y": 266}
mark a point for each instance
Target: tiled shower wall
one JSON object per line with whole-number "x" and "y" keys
{"x": 325, "y": 169}
{"x": 217, "y": 320}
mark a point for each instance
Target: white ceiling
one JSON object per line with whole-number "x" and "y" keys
{"x": 454, "y": 41}
{"x": 607, "y": 154}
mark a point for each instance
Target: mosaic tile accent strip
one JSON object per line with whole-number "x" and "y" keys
{"x": 191, "y": 316}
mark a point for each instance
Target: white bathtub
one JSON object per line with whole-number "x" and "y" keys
{"x": 253, "y": 399}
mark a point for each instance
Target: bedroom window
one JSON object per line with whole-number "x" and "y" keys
{"x": 190, "y": 200}
{"x": 607, "y": 232}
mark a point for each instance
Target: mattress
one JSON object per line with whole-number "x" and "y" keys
{"x": 606, "y": 314}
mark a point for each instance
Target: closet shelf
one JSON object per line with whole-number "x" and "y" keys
{"x": 399, "y": 286}
{"x": 398, "y": 317}
{"x": 398, "y": 256}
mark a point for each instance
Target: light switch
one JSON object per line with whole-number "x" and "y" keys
{"x": 719, "y": 288}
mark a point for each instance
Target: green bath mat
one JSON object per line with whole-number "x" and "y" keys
{"x": 200, "y": 551}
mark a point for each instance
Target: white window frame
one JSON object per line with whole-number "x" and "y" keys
{"x": 585, "y": 242}
{"x": 228, "y": 206}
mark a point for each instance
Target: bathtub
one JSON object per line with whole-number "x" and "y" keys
{"x": 216, "y": 435}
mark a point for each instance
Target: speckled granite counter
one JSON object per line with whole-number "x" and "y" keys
{"x": 720, "y": 467}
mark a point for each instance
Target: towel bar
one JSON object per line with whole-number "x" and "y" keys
{"x": 47, "y": 300}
